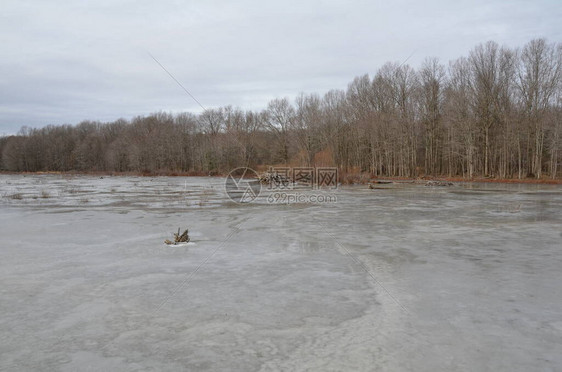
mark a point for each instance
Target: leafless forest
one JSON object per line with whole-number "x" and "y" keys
{"x": 496, "y": 112}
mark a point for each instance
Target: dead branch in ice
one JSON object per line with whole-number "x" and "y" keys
{"x": 183, "y": 238}
{"x": 274, "y": 179}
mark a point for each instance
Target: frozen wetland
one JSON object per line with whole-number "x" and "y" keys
{"x": 404, "y": 277}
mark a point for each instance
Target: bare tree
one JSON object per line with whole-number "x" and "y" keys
{"x": 432, "y": 76}
{"x": 539, "y": 76}
{"x": 280, "y": 119}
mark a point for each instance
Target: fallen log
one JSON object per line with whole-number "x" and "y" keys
{"x": 439, "y": 184}
{"x": 382, "y": 181}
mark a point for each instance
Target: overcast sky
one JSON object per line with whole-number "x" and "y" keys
{"x": 66, "y": 61}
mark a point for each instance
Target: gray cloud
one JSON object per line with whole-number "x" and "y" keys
{"x": 63, "y": 62}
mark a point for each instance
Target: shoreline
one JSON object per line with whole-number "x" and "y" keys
{"x": 541, "y": 181}
{"x": 348, "y": 179}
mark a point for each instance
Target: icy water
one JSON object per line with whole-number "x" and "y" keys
{"x": 401, "y": 278}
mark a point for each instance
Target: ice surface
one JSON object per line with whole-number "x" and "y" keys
{"x": 399, "y": 278}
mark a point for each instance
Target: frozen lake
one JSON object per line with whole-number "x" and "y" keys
{"x": 404, "y": 277}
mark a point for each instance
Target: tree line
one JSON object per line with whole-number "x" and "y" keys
{"x": 496, "y": 112}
